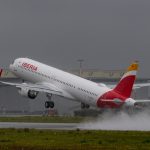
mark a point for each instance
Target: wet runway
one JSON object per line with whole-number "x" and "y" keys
{"x": 52, "y": 126}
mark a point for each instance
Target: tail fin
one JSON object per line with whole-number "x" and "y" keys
{"x": 125, "y": 85}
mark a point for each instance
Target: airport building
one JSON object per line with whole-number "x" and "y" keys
{"x": 11, "y": 101}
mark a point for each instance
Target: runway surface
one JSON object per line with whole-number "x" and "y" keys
{"x": 52, "y": 126}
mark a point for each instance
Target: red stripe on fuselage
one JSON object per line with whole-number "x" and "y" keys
{"x": 111, "y": 96}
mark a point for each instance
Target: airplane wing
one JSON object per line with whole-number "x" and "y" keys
{"x": 40, "y": 87}
{"x": 136, "y": 102}
{"x": 140, "y": 85}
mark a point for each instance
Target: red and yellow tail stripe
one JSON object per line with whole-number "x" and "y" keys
{"x": 124, "y": 87}
{"x": 132, "y": 70}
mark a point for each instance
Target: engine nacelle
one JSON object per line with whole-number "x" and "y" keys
{"x": 28, "y": 93}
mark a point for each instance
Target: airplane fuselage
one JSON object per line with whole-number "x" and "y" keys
{"x": 78, "y": 89}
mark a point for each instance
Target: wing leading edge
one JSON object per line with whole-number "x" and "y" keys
{"x": 40, "y": 87}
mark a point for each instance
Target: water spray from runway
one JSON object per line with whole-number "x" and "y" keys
{"x": 120, "y": 121}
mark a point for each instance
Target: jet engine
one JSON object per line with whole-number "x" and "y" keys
{"x": 28, "y": 93}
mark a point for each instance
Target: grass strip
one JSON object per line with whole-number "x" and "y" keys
{"x": 30, "y": 139}
{"x": 43, "y": 119}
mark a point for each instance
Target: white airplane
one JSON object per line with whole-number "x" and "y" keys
{"x": 52, "y": 81}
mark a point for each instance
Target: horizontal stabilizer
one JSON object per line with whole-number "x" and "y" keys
{"x": 143, "y": 101}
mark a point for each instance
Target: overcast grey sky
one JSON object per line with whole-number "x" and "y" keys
{"x": 107, "y": 34}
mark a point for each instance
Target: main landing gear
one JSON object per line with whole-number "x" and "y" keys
{"x": 85, "y": 106}
{"x": 49, "y": 104}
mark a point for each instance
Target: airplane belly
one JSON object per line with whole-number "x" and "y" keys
{"x": 85, "y": 99}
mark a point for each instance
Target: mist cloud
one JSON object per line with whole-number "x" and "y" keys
{"x": 120, "y": 121}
